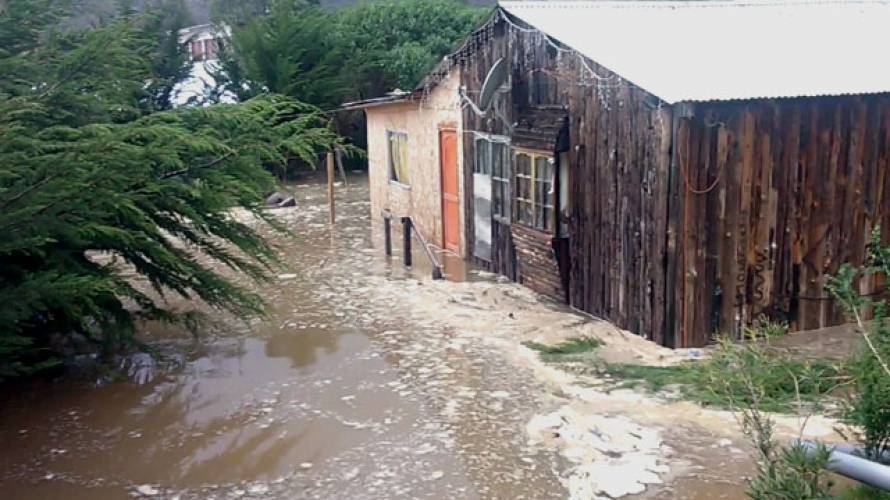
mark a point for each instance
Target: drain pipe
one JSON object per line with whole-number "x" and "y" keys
{"x": 859, "y": 451}
{"x": 853, "y": 467}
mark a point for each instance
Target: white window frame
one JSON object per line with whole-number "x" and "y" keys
{"x": 504, "y": 142}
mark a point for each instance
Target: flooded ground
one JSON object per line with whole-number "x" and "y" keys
{"x": 369, "y": 381}
{"x": 341, "y": 393}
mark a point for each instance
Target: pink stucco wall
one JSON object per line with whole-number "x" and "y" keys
{"x": 421, "y": 199}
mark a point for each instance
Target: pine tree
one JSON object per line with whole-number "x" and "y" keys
{"x": 88, "y": 170}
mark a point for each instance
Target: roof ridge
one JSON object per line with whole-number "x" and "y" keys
{"x": 673, "y": 4}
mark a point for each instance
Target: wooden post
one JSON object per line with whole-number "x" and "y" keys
{"x": 406, "y": 240}
{"x": 387, "y": 235}
{"x": 331, "y": 185}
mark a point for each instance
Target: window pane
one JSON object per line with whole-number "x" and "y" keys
{"x": 543, "y": 168}
{"x": 483, "y": 156}
{"x": 497, "y": 160}
{"x": 548, "y": 219}
{"x": 398, "y": 156}
{"x": 403, "y": 154}
{"x": 523, "y": 164}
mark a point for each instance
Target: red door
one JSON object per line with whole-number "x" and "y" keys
{"x": 450, "y": 196}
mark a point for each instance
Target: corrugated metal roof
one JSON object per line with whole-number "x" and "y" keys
{"x": 720, "y": 50}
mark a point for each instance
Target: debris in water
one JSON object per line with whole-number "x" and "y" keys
{"x": 147, "y": 490}
{"x": 306, "y": 465}
{"x": 351, "y": 474}
{"x": 258, "y": 489}
{"x": 437, "y": 475}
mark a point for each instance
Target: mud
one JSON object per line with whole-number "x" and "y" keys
{"x": 342, "y": 393}
{"x": 367, "y": 381}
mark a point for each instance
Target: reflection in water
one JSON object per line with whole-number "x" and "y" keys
{"x": 334, "y": 396}
{"x": 304, "y": 347}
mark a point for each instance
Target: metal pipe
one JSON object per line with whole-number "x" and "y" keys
{"x": 859, "y": 451}
{"x": 854, "y": 467}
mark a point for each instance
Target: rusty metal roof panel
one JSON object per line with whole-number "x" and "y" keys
{"x": 725, "y": 50}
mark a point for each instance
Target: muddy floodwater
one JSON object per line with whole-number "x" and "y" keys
{"x": 340, "y": 393}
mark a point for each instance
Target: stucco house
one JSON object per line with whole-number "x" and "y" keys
{"x": 415, "y": 164}
{"x": 679, "y": 168}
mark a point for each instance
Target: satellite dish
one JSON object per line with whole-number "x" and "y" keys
{"x": 496, "y": 77}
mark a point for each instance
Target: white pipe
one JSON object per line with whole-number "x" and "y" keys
{"x": 859, "y": 451}
{"x": 854, "y": 467}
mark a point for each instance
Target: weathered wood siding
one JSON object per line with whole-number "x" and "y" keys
{"x": 530, "y": 113}
{"x": 620, "y": 154}
{"x": 770, "y": 197}
{"x": 538, "y": 269}
{"x": 693, "y": 219}
{"x": 619, "y": 163}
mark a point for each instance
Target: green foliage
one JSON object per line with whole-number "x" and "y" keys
{"x": 235, "y": 12}
{"x": 95, "y": 183}
{"x": 326, "y": 57}
{"x": 733, "y": 375}
{"x": 157, "y": 32}
{"x": 868, "y": 410}
{"x": 789, "y": 472}
{"x": 756, "y": 373}
{"x": 392, "y": 44}
{"x": 862, "y": 492}
{"x": 578, "y": 345}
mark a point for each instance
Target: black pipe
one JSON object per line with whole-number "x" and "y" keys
{"x": 387, "y": 235}
{"x": 406, "y": 239}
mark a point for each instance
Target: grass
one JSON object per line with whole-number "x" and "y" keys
{"x": 723, "y": 380}
{"x": 579, "y": 345}
{"x": 782, "y": 385}
{"x": 862, "y": 492}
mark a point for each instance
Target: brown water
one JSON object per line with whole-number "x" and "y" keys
{"x": 339, "y": 394}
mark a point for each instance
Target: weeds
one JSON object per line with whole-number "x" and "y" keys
{"x": 788, "y": 472}
{"x": 578, "y": 345}
{"x": 864, "y": 493}
{"x": 868, "y": 409}
{"x": 782, "y": 384}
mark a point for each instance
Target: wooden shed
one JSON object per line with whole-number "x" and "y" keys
{"x": 677, "y": 168}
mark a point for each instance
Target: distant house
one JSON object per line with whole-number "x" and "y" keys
{"x": 678, "y": 168}
{"x": 203, "y": 41}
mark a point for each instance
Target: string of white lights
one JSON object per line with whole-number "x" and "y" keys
{"x": 556, "y": 47}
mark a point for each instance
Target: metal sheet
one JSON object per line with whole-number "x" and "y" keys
{"x": 720, "y": 50}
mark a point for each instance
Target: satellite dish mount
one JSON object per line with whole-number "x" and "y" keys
{"x": 495, "y": 79}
